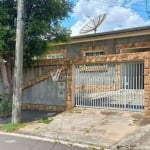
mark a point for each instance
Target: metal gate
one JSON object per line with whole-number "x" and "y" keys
{"x": 110, "y": 86}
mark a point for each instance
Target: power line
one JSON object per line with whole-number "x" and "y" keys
{"x": 115, "y": 2}
{"x": 110, "y": 1}
{"x": 133, "y": 6}
{"x": 138, "y": 5}
{"x": 123, "y": 5}
{"x": 148, "y": 7}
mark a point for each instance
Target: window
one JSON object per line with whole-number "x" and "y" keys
{"x": 93, "y": 53}
{"x": 55, "y": 56}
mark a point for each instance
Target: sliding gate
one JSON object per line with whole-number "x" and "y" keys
{"x": 110, "y": 86}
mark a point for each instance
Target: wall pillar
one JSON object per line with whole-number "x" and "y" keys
{"x": 147, "y": 86}
{"x": 118, "y": 76}
{"x": 69, "y": 87}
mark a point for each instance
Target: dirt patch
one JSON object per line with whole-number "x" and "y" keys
{"x": 110, "y": 113}
{"x": 144, "y": 121}
{"x": 141, "y": 119}
{"x": 75, "y": 111}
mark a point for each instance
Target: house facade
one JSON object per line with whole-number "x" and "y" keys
{"x": 108, "y": 70}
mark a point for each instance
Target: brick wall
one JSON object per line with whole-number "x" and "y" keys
{"x": 147, "y": 85}
{"x": 120, "y": 47}
{"x": 69, "y": 86}
{"x": 40, "y": 107}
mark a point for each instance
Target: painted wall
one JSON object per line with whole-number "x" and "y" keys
{"x": 31, "y": 73}
{"x": 73, "y": 50}
{"x": 47, "y": 92}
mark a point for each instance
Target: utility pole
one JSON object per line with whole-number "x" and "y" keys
{"x": 17, "y": 87}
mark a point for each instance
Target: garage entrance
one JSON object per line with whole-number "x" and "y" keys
{"x": 110, "y": 86}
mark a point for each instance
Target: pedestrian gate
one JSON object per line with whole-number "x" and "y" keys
{"x": 110, "y": 86}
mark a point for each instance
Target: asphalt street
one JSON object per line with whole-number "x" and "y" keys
{"x": 8, "y": 142}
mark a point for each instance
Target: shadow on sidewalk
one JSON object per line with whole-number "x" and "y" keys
{"x": 30, "y": 115}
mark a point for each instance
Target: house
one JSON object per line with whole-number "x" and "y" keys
{"x": 109, "y": 70}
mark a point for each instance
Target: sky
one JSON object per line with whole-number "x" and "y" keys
{"x": 121, "y": 14}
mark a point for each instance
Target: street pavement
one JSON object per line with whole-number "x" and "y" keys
{"x": 9, "y": 142}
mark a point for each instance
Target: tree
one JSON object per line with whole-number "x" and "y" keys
{"x": 7, "y": 42}
{"x": 42, "y": 24}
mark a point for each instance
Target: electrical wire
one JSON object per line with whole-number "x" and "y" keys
{"x": 122, "y": 4}
{"x": 117, "y": 2}
{"x": 142, "y": 4}
{"x": 148, "y": 9}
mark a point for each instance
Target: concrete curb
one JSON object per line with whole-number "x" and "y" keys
{"x": 68, "y": 143}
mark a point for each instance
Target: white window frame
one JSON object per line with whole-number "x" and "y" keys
{"x": 93, "y": 52}
{"x": 55, "y": 56}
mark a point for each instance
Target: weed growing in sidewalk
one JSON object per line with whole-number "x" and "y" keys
{"x": 45, "y": 120}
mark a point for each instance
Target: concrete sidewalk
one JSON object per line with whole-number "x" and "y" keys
{"x": 90, "y": 127}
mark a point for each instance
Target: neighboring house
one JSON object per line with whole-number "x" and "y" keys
{"x": 109, "y": 70}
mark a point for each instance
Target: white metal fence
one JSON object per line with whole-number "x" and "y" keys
{"x": 110, "y": 86}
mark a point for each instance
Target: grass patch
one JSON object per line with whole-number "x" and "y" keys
{"x": 45, "y": 120}
{"x": 11, "y": 127}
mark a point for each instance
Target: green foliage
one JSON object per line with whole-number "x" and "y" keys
{"x": 7, "y": 29}
{"x": 5, "y": 108}
{"x": 42, "y": 20}
{"x": 11, "y": 127}
{"x": 45, "y": 120}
